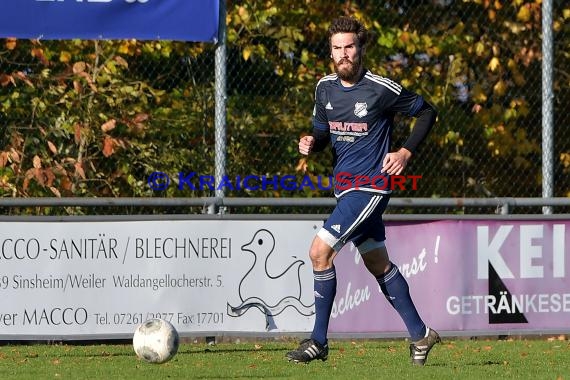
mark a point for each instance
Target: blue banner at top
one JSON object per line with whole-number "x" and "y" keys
{"x": 182, "y": 20}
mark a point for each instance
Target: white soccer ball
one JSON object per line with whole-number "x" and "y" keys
{"x": 156, "y": 341}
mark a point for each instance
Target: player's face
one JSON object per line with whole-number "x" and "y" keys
{"x": 347, "y": 56}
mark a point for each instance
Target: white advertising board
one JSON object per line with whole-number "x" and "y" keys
{"x": 83, "y": 279}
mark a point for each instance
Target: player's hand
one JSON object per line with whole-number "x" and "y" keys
{"x": 306, "y": 144}
{"x": 395, "y": 162}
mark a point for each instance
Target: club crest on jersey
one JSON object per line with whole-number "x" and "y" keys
{"x": 360, "y": 109}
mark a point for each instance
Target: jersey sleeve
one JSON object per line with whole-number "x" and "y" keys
{"x": 414, "y": 105}
{"x": 320, "y": 120}
{"x": 403, "y": 101}
{"x": 407, "y": 103}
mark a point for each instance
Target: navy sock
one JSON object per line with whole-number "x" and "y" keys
{"x": 325, "y": 291}
{"x": 397, "y": 292}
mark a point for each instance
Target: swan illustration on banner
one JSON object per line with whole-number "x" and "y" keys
{"x": 285, "y": 285}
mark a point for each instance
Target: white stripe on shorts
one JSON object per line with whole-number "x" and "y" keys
{"x": 329, "y": 238}
{"x": 363, "y": 215}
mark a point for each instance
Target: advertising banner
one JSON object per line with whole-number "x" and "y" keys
{"x": 471, "y": 276}
{"x": 84, "y": 280}
{"x": 104, "y": 278}
{"x": 183, "y": 20}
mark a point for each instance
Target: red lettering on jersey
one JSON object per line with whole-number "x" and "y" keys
{"x": 348, "y": 127}
{"x": 356, "y": 127}
{"x": 335, "y": 125}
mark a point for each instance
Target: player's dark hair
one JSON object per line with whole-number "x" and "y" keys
{"x": 348, "y": 25}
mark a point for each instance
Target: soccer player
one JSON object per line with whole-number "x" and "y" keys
{"x": 354, "y": 110}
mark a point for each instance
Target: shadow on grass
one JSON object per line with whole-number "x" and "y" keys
{"x": 76, "y": 351}
{"x": 223, "y": 350}
{"x": 472, "y": 364}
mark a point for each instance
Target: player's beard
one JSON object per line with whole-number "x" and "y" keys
{"x": 350, "y": 73}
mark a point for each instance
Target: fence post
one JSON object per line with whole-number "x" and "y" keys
{"x": 221, "y": 96}
{"x": 220, "y": 119}
{"x": 547, "y": 99}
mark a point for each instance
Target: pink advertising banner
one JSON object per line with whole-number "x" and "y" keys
{"x": 464, "y": 276}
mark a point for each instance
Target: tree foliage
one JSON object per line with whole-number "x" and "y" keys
{"x": 95, "y": 118}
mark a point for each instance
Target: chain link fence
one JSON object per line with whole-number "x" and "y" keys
{"x": 487, "y": 142}
{"x": 97, "y": 118}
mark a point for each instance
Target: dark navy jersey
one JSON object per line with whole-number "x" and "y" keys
{"x": 360, "y": 120}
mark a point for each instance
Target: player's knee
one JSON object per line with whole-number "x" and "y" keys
{"x": 321, "y": 257}
{"x": 316, "y": 255}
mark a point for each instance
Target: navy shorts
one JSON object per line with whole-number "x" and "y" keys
{"x": 357, "y": 218}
